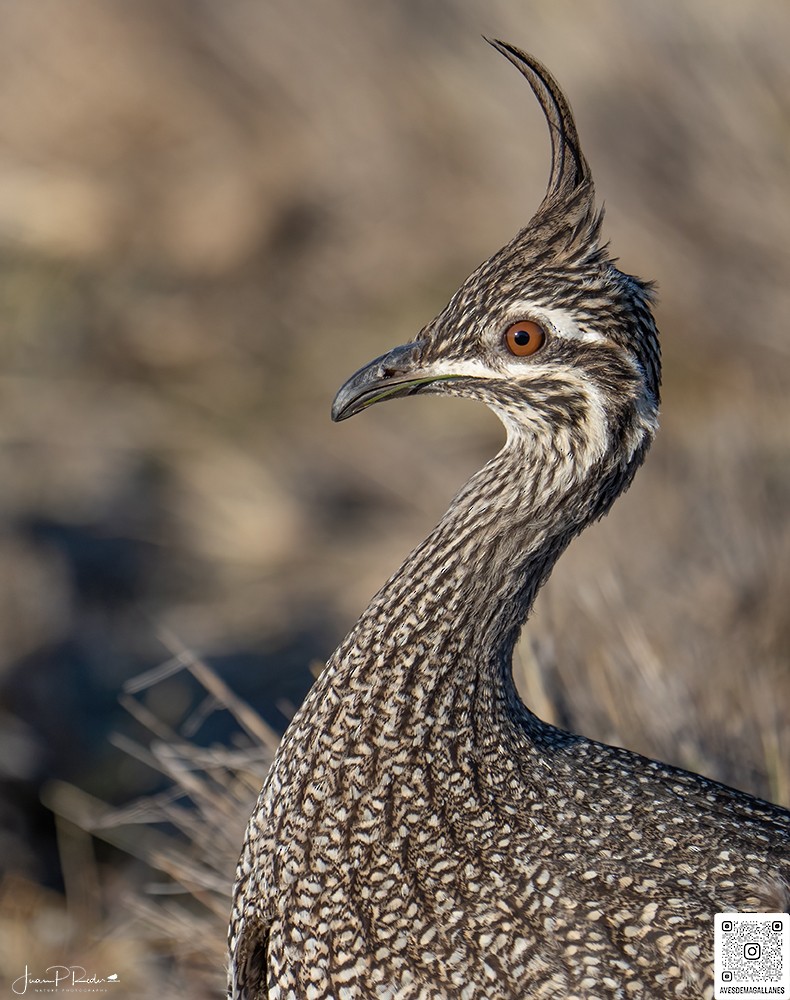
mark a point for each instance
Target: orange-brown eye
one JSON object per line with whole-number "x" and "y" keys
{"x": 524, "y": 338}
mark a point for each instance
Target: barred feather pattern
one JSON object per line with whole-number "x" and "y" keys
{"x": 421, "y": 833}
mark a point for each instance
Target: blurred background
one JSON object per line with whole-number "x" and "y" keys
{"x": 210, "y": 215}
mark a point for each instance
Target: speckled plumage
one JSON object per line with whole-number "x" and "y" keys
{"x": 421, "y": 833}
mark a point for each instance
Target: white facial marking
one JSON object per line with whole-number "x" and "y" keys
{"x": 472, "y": 367}
{"x": 556, "y": 438}
{"x": 556, "y": 322}
{"x": 560, "y": 321}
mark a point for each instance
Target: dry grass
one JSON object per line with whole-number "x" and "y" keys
{"x": 189, "y": 836}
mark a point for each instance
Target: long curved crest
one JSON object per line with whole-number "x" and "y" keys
{"x": 569, "y": 169}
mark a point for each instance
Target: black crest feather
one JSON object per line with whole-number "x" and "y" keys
{"x": 569, "y": 169}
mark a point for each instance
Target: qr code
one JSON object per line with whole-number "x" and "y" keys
{"x": 751, "y": 954}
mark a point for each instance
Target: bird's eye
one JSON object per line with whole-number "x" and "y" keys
{"x": 524, "y": 338}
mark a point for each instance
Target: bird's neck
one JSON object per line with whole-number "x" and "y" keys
{"x": 445, "y": 624}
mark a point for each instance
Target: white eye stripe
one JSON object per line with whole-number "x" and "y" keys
{"x": 556, "y": 322}
{"x": 559, "y": 321}
{"x": 479, "y": 369}
{"x": 467, "y": 366}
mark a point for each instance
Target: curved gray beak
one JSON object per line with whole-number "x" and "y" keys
{"x": 396, "y": 373}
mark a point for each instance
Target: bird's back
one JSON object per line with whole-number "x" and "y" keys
{"x": 414, "y": 863}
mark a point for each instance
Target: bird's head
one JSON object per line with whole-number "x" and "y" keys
{"x": 547, "y": 332}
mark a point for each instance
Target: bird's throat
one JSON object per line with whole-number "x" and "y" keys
{"x": 437, "y": 640}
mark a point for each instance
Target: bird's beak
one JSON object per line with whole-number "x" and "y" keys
{"x": 397, "y": 373}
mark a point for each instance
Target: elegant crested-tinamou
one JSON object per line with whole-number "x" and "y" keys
{"x": 421, "y": 834}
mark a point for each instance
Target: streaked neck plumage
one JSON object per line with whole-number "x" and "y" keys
{"x": 448, "y": 619}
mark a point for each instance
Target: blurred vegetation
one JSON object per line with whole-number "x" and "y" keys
{"x": 210, "y": 214}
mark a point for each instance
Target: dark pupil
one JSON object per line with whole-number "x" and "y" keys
{"x": 522, "y": 337}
